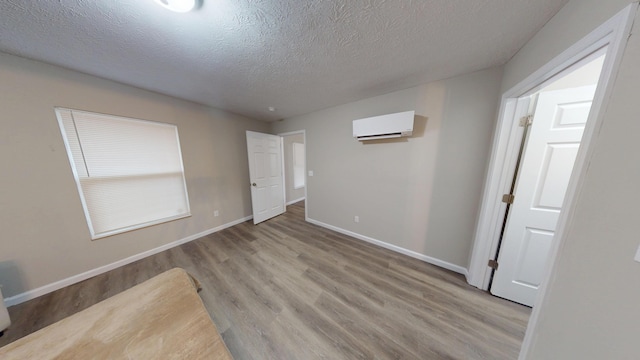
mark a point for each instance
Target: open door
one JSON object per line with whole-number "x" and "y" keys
{"x": 265, "y": 175}
{"x": 554, "y": 138}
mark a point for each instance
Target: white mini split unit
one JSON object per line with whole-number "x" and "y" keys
{"x": 384, "y": 126}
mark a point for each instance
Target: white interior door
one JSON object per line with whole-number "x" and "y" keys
{"x": 266, "y": 175}
{"x": 551, "y": 150}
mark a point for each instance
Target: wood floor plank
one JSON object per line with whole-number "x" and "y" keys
{"x": 292, "y": 333}
{"x": 314, "y": 320}
{"x": 355, "y": 323}
{"x": 287, "y": 289}
{"x": 340, "y": 280}
{"x": 434, "y": 313}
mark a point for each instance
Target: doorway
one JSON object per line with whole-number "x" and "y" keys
{"x": 516, "y": 103}
{"x": 294, "y": 160}
{"x": 549, "y": 144}
{"x": 277, "y": 172}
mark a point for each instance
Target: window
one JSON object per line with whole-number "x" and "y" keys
{"x": 298, "y": 165}
{"x": 129, "y": 172}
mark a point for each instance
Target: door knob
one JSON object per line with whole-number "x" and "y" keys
{"x": 254, "y": 184}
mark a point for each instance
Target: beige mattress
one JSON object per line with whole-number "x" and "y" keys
{"x": 162, "y": 318}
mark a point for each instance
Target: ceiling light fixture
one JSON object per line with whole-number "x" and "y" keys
{"x": 181, "y": 6}
{"x": 272, "y": 109}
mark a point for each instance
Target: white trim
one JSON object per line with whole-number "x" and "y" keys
{"x": 295, "y": 201}
{"x": 291, "y": 133}
{"x": 499, "y": 178}
{"x": 611, "y": 33}
{"x": 32, "y": 294}
{"x": 395, "y": 248}
{"x": 619, "y": 28}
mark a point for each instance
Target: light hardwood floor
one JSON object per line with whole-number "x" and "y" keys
{"x": 286, "y": 289}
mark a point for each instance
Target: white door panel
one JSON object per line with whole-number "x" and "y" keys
{"x": 555, "y": 174}
{"x": 535, "y": 247}
{"x": 266, "y": 175}
{"x": 547, "y": 164}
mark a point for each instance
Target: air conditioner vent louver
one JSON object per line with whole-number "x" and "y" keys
{"x": 384, "y": 126}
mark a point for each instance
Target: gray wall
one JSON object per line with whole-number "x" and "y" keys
{"x": 44, "y": 232}
{"x": 420, "y": 193}
{"x": 291, "y": 193}
{"x": 590, "y": 308}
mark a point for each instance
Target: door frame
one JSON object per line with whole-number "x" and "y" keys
{"x": 614, "y": 34}
{"x": 306, "y": 178}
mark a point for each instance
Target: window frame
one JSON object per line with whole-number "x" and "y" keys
{"x": 78, "y": 181}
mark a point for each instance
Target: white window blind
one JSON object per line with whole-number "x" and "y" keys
{"x": 298, "y": 165}
{"x": 129, "y": 172}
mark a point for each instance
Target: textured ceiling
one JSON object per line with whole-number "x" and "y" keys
{"x": 295, "y": 55}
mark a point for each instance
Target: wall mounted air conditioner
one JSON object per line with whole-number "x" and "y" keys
{"x": 384, "y": 126}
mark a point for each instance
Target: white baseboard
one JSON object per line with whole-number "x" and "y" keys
{"x": 398, "y": 249}
{"x": 32, "y": 294}
{"x": 295, "y": 201}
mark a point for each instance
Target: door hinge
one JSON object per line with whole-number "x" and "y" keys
{"x": 493, "y": 264}
{"x": 526, "y": 120}
{"x": 508, "y": 198}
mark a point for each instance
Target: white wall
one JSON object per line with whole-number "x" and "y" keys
{"x": 45, "y": 237}
{"x": 590, "y": 308}
{"x": 419, "y": 193}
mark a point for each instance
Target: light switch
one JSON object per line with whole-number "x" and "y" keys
{"x": 637, "y": 257}
{"x": 310, "y": 172}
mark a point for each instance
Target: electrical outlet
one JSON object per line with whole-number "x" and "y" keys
{"x": 216, "y": 213}
{"x": 310, "y": 172}
{"x": 356, "y": 219}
